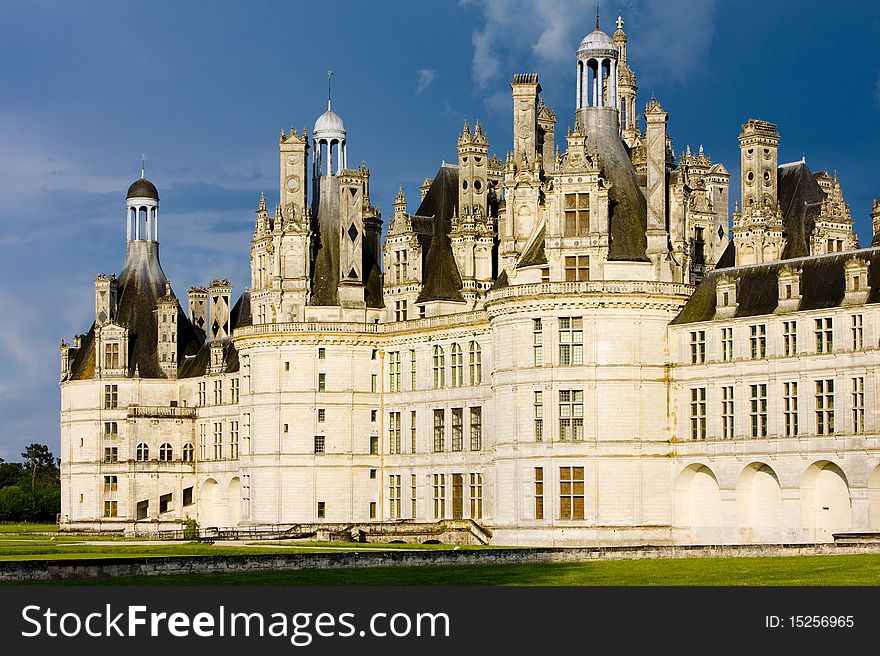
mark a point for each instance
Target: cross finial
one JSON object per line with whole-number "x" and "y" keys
{"x": 143, "y": 163}
{"x": 619, "y": 23}
{"x": 329, "y": 77}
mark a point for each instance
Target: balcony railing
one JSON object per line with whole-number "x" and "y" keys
{"x": 162, "y": 411}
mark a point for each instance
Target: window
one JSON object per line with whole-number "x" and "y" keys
{"x": 187, "y": 496}
{"x": 111, "y": 454}
{"x": 789, "y": 338}
{"x": 394, "y": 432}
{"x": 698, "y": 413}
{"x": 571, "y": 414}
{"x": 374, "y": 415}
{"x": 577, "y": 268}
{"x": 111, "y": 429}
{"x": 576, "y": 214}
{"x": 218, "y": 392}
{"x": 476, "y": 485}
{"x": 400, "y": 311}
{"x": 698, "y": 346}
{"x": 373, "y": 383}
{"x": 545, "y": 274}
{"x": 203, "y": 449}
{"x": 439, "y": 496}
{"x": 824, "y": 335}
{"x": 571, "y": 340}
{"x": 857, "y": 340}
{"x": 825, "y": 406}
{"x": 111, "y": 355}
{"x": 166, "y": 453}
{"x": 188, "y": 453}
{"x": 439, "y": 360}
{"x": 457, "y": 428}
{"x": 202, "y": 393}
{"x": 790, "y": 408}
{"x": 394, "y": 371}
{"x": 413, "y": 489}
{"x": 322, "y": 510}
{"x": 372, "y": 474}
{"x": 322, "y": 415}
{"x": 374, "y": 445}
{"x": 476, "y": 429}
{"x": 165, "y": 503}
{"x": 322, "y": 382}
{"x": 758, "y": 409}
{"x": 727, "y": 412}
{"x": 247, "y": 432}
{"x": 538, "y": 342}
{"x": 246, "y": 372}
{"x": 233, "y": 439}
{"x": 571, "y": 492}
{"x": 758, "y": 341}
{"x": 111, "y": 508}
{"x": 319, "y": 444}
{"x": 234, "y": 390}
{"x": 142, "y": 453}
{"x": 475, "y": 363}
{"x": 457, "y": 367}
{"x": 412, "y": 369}
{"x": 439, "y": 429}
{"x": 218, "y": 440}
{"x": 539, "y": 416}
{"x": 111, "y": 397}
{"x": 111, "y": 484}
{"x": 394, "y": 496}
{"x": 412, "y": 431}
{"x": 858, "y": 404}
{"x": 539, "y": 493}
{"x": 322, "y": 353}
{"x": 727, "y": 344}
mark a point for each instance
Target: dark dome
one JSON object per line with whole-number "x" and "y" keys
{"x": 143, "y": 188}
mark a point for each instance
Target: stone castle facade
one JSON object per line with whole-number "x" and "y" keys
{"x": 569, "y": 345}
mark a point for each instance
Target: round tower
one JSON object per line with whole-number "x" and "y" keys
{"x": 329, "y": 133}
{"x": 597, "y": 58}
{"x": 142, "y": 211}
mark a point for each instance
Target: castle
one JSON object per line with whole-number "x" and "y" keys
{"x": 558, "y": 347}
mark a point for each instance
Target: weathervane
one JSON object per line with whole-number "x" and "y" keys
{"x": 329, "y": 77}
{"x": 143, "y": 163}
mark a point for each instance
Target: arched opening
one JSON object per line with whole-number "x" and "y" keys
{"x": 697, "y": 505}
{"x": 874, "y": 500}
{"x": 208, "y": 503}
{"x": 234, "y": 501}
{"x": 826, "y": 507}
{"x": 759, "y": 504}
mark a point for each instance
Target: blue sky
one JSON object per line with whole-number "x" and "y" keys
{"x": 205, "y": 87}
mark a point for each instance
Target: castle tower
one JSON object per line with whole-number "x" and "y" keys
{"x": 875, "y": 221}
{"x": 655, "y": 136}
{"x": 525, "y": 116}
{"x": 166, "y": 322}
{"x": 106, "y": 293}
{"x": 626, "y": 89}
{"x": 330, "y": 144}
{"x": 142, "y": 208}
{"x": 220, "y": 292}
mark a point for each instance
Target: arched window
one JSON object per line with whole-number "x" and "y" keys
{"x": 457, "y": 366}
{"x": 439, "y": 367}
{"x": 165, "y": 452}
{"x": 143, "y": 452}
{"x": 188, "y": 452}
{"x": 475, "y": 362}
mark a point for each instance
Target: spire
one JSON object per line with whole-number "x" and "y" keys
{"x": 329, "y": 77}
{"x": 143, "y": 164}
{"x": 400, "y": 199}
{"x": 597, "y": 17}
{"x": 262, "y": 201}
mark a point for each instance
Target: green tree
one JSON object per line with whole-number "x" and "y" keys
{"x": 39, "y": 459}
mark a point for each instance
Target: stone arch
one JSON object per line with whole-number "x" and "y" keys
{"x": 826, "y": 505}
{"x": 874, "y": 500}
{"x": 209, "y": 499}
{"x": 697, "y": 504}
{"x": 759, "y": 504}
{"x": 234, "y": 501}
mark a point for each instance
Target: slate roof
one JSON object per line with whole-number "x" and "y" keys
{"x": 535, "y": 254}
{"x": 325, "y": 278}
{"x": 198, "y": 364}
{"x": 441, "y": 280}
{"x": 757, "y": 290}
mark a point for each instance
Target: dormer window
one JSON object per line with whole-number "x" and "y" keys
{"x": 856, "y": 276}
{"x": 725, "y": 297}
{"x": 789, "y": 289}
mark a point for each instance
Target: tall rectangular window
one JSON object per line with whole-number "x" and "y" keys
{"x": 322, "y": 509}
{"x": 824, "y": 329}
{"x": 571, "y": 492}
{"x": 203, "y": 448}
{"x": 576, "y": 215}
{"x": 439, "y": 496}
{"x": 111, "y": 508}
{"x": 439, "y": 361}
{"x": 233, "y": 439}
{"x": 538, "y": 342}
{"x": 857, "y": 335}
{"x": 789, "y": 338}
{"x": 218, "y": 392}
{"x": 698, "y": 413}
{"x": 320, "y": 443}
{"x": 457, "y": 368}
{"x": 457, "y": 428}
{"x": 825, "y": 406}
{"x": 476, "y": 429}
{"x": 394, "y": 496}
{"x": 246, "y": 372}
{"x": 234, "y": 389}
{"x": 246, "y": 432}
{"x": 476, "y": 496}
{"x": 373, "y": 383}
{"x": 374, "y": 445}
{"x": 111, "y": 397}
{"x": 203, "y": 398}
{"x": 412, "y": 369}
{"x": 758, "y": 409}
{"x": 858, "y": 403}
{"x": 577, "y": 268}
{"x": 571, "y": 414}
{"x": 727, "y": 344}
{"x": 111, "y": 484}
{"x": 394, "y": 371}
{"x": 111, "y": 355}
{"x": 790, "y": 408}
{"x": 413, "y": 495}
{"x": 698, "y": 346}
{"x": 394, "y": 432}
{"x": 400, "y": 310}
{"x": 727, "y": 412}
{"x": 439, "y": 430}
{"x": 218, "y": 440}
{"x": 412, "y": 431}
{"x": 475, "y": 363}
{"x": 539, "y": 493}
{"x": 758, "y": 341}
{"x": 322, "y": 382}
{"x": 539, "y": 416}
{"x": 571, "y": 340}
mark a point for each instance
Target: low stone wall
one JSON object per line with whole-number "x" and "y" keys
{"x": 43, "y": 570}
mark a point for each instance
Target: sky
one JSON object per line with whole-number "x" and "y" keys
{"x": 204, "y": 88}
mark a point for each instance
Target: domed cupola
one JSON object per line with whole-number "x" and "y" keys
{"x": 329, "y": 133}
{"x": 597, "y": 70}
{"x": 142, "y": 210}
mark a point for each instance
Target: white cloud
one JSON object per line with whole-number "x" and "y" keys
{"x": 426, "y": 79}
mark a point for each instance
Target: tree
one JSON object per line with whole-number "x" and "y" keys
{"x": 38, "y": 458}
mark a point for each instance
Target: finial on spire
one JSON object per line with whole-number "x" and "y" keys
{"x": 262, "y": 201}
{"x": 329, "y": 77}
{"x": 597, "y": 17}
{"x": 143, "y": 164}
{"x": 619, "y": 23}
